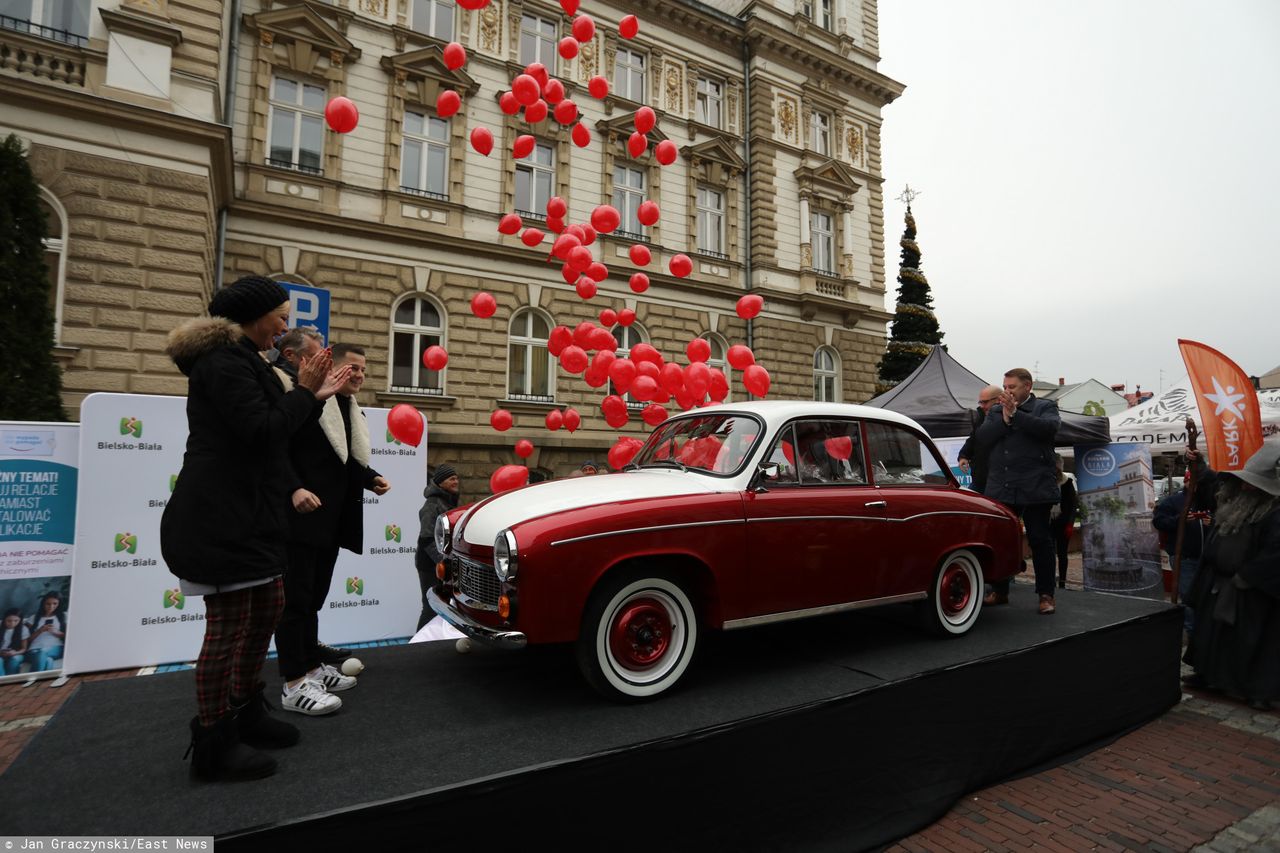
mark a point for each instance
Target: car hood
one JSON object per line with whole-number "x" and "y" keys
{"x": 504, "y": 510}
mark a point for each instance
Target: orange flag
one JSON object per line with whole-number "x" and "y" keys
{"x": 1228, "y": 406}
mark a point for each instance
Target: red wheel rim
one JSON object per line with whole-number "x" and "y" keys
{"x": 640, "y": 634}
{"x": 955, "y": 590}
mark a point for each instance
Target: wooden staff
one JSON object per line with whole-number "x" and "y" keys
{"x": 1189, "y": 491}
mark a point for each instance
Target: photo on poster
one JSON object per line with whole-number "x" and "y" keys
{"x": 33, "y": 630}
{"x": 1117, "y": 495}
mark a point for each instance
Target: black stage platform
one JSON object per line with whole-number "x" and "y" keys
{"x": 836, "y": 734}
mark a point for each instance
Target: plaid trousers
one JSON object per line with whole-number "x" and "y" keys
{"x": 237, "y": 631}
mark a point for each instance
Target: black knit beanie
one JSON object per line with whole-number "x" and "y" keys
{"x": 249, "y": 298}
{"x": 443, "y": 472}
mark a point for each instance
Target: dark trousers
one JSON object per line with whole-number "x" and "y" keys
{"x": 306, "y": 586}
{"x": 1061, "y": 540}
{"x": 237, "y": 631}
{"x": 1035, "y": 517}
{"x": 427, "y": 580}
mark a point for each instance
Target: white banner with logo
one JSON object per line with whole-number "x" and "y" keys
{"x": 38, "y": 482}
{"x": 131, "y": 449}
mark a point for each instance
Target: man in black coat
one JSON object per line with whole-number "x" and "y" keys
{"x": 440, "y": 496}
{"x": 1018, "y": 436}
{"x": 972, "y": 458}
{"x": 329, "y": 461}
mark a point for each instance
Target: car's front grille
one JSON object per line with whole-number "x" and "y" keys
{"x": 477, "y": 581}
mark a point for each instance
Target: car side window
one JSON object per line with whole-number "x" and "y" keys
{"x": 783, "y": 454}
{"x": 829, "y": 452}
{"x": 900, "y": 458}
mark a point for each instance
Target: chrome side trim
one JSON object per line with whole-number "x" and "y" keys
{"x": 877, "y": 517}
{"x": 648, "y": 530}
{"x": 789, "y": 615}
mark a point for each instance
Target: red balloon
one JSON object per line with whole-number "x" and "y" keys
{"x": 523, "y": 146}
{"x": 560, "y": 337}
{"x": 555, "y": 420}
{"x": 561, "y": 248}
{"x": 652, "y": 369}
{"x": 582, "y": 333}
{"x": 741, "y": 357}
{"x": 684, "y": 399}
{"x": 536, "y": 112}
{"x": 501, "y": 420}
{"x": 553, "y": 92}
{"x": 570, "y": 7}
{"x": 839, "y": 447}
{"x": 671, "y": 378}
{"x": 342, "y": 115}
{"x": 644, "y": 388}
{"x": 639, "y": 282}
{"x": 554, "y": 224}
{"x": 405, "y": 423}
{"x": 603, "y": 339}
{"x": 597, "y": 272}
{"x": 483, "y": 305}
{"x": 524, "y": 448}
{"x": 584, "y": 29}
{"x": 526, "y": 89}
{"x": 680, "y": 266}
{"x": 618, "y": 420}
{"x": 696, "y": 378}
{"x": 640, "y": 254}
{"x": 648, "y": 212}
{"x": 586, "y": 288}
{"x": 568, "y": 47}
{"x": 580, "y": 258}
{"x": 637, "y": 143}
{"x": 482, "y": 140}
{"x": 588, "y": 235}
{"x": 603, "y": 361}
{"x": 539, "y": 73}
{"x": 654, "y": 414}
{"x": 613, "y": 403}
{"x": 573, "y": 359}
{"x": 698, "y": 349}
{"x": 473, "y": 5}
{"x": 626, "y": 317}
{"x": 608, "y": 317}
{"x": 605, "y": 218}
{"x": 749, "y": 306}
{"x": 578, "y": 231}
{"x": 508, "y": 104}
{"x": 645, "y": 352}
{"x": 566, "y": 111}
{"x": 556, "y": 207}
{"x": 622, "y": 373}
{"x": 718, "y": 387}
{"x": 623, "y": 451}
{"x": 455, "y": 56}
{"x": 435, "y": 357}
{"x": 595, "y": 377}
{"x": 508, "y": 476}
{"x": 510, "y": 224}
{"x": 666, "y": 152}
{"x": 598, "y": 87}
{"x": 645, "y": 119}
{"x": 580, "y": 135}
{"x": 448, "y": 103}
{"x": 572, "y": 420}
{"x": 756, "y": 380}
{"x": 629, "y": 26}
{"x": 531, "y": 237}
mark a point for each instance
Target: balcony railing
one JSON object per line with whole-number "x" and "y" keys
{"x": 41, "y": 31}
{"x": 296, "y": 167}
{"x": 632, "y": 236}
{"x": 707, "y": 253}
{"x": 413, "y": 389}
{"x": 424, "y": 193}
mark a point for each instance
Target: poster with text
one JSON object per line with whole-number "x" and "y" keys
{"x": 950, "y": 450}
{"x": 1121, "y": 548}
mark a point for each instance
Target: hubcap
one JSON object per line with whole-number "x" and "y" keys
{"x": 640, "y": 634}
{"x": 955, "y": 590}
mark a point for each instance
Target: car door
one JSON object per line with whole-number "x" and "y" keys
{"x": 815, "y": 532}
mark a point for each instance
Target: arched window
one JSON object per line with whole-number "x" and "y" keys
{"x": 826, "y": 375}
{"x": 530, "y": 370}
{"x": 55, "y": 256}
{"x": 627, "y": 337}
{"x": 416, "y": 323}
{"x": 720, "y": 358}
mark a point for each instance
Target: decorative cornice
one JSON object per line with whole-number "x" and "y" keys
{"x": 769, "y": 40}
{"x": 718, "y": 149}
{"x": 303, "y": 24}
{"x": 145, "y": 28}
{"x": 428, "y": 63}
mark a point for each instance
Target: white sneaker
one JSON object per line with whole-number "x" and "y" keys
{"x": 330, "y": 679}
{"x": 311, "y": 698}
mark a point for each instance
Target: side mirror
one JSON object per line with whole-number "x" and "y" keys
{"x": 764, "y": 471}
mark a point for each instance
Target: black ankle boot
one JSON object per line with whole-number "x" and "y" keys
{"x": 257, "y": 727}
{"x": 217, "y": 755}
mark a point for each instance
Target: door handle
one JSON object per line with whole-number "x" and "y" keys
{"x": 876, "y": 504}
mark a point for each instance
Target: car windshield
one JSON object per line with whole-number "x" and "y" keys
{"x": 717, "y": 444}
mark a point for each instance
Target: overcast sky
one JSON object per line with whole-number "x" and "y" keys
{"x": 1098, "y": 178}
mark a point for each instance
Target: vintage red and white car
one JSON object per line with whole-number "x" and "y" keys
{"x": 729, "y": 516}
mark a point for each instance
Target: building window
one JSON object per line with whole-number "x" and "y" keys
{"x": 820, "y": 133}
{"x": 535, "y": 181}
{"x": 530, "y": 361}
{"x": 826, "y": 375}
{"x": 297, "y": 125}
{"x": 710, "y": 97}
{"x": 415, "y": 325}
{"x": 538, "y": 41}
{"x": 628, "y": 75}
{"x": 66, "y": 21}
{"x": 711, "y": 222}
{"x": 433, "y": 18}
{"x": 628, "y": 193}
{"x": 55, "y": 256}
{"x": 818, "y": 11}
{"x": 719, "y": 357}
{"x": 424, "y": 156}
{"x": 822, "y": 240}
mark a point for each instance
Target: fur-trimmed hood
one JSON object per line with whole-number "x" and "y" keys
{"x": 200, "y": 336}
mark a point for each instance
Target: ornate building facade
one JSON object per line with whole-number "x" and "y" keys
{"x": 183, "y": 140}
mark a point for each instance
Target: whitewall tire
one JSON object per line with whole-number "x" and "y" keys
{"x": 955, "y": 599}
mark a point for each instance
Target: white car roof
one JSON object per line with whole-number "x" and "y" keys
{"x": 777, "y": 412}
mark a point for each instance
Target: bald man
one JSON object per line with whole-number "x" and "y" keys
{"x": 973, "y": 458}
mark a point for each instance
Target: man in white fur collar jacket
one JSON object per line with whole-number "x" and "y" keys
{"x": 329, "y": 458}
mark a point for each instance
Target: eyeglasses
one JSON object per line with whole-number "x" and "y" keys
{"x": 988, "y": 400}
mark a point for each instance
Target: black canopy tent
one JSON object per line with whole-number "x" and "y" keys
{"x": 942, "y": 394}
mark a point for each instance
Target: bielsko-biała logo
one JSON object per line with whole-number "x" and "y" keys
{"x": 131, "y": 426}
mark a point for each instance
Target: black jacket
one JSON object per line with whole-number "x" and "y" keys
{"x": 437, "y": 501}
{"x": 1021, "y": 467}
{"x": 978, "y": 456}
{"x": 225, "y": 521}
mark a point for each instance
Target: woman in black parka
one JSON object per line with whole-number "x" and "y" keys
{"x": 224, "y": 529}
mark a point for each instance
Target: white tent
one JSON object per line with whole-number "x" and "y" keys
{"x": 1161, "y": 421}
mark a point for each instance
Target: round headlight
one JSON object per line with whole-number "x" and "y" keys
{"x": 443, "y": 534}
{"x": 504, "y": 555}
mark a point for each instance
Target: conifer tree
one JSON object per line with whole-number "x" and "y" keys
{"x": 914, "y": 330}
{"x": 30, "y": 380}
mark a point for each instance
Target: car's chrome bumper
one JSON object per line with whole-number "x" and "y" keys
{"x": 492, "y": 637}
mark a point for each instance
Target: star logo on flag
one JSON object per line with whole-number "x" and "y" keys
{"x": 1225, "y": 399}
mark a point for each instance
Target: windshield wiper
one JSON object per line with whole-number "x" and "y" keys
{"x": 664, "y": 463}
